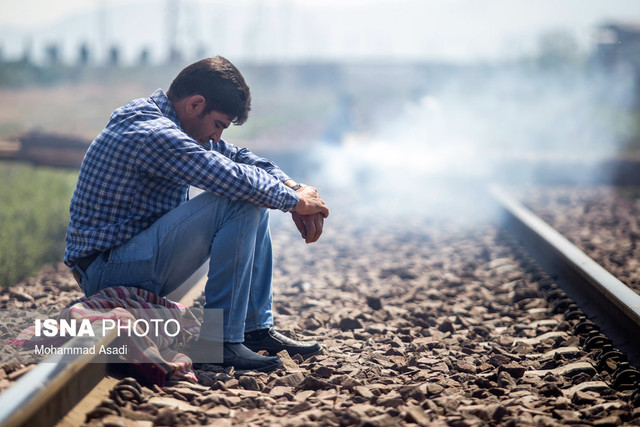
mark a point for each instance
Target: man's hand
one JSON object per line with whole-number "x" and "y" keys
{"x": 310, "y": 226}
{"x": 310, "y": 203}
{"x": 309, "y": 213}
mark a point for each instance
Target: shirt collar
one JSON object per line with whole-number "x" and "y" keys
{"x": 165, "y": 106}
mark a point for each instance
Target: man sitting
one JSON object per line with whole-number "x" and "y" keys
{"x": 132, "y": 223}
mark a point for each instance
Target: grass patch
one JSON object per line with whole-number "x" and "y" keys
{"x": 34, "y": 215}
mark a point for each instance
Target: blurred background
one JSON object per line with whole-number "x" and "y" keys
{"x": 392, "y": 98}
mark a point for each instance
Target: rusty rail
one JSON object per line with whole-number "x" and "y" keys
{"x": 604, "y": 298}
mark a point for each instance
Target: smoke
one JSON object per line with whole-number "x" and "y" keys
{"x": 476, "y": 126}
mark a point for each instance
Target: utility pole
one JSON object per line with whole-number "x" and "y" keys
{"x": 255, "y": 31}
{"x": 172, "y": 21}
{"x": 102, "y": 30}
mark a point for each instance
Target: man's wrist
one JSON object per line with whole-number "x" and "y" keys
{"x": 295, "y": 186}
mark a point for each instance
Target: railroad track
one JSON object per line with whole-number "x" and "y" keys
{"x": 604, "y": 298}
{"x": 611, "y": 327}
{"x": 49, "y": 392}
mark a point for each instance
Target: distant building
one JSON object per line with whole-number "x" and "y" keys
{"x": 83, "y": 54}
{"x": 618, "y": 44}
{"x": 617, "y": 49}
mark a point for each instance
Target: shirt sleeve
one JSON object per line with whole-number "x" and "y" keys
{"x": 245, "y": 156}
{"x": 171, "y": 154}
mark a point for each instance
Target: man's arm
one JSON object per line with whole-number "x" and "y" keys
{"x": 311, "y": 210}
{"x": 247, "y": 157}
{"x": 173, "y": 155}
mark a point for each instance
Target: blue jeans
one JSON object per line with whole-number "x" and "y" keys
{"x": 234, "y": 236}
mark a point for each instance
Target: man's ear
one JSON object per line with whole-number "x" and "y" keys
{"x": 194, "y": 105}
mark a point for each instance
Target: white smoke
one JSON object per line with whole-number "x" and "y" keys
{"x": 458, "y": 136}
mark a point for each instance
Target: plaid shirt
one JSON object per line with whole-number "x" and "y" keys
{"x": 141, "y": 166}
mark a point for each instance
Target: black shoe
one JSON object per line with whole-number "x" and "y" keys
{"x": 235, "y": 354}
{"x": 240, "y": 357}
{"x": 274, "y": 342}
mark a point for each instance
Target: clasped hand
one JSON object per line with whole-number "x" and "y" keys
{"x": 309, "y": 214}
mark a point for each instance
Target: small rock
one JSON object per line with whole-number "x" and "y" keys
{"x": 300, "y": 407}
{"x": 609, "y": 421}
{"x": 446, "y": 326}
{"x": 323, "y": 371}
{"x": 311, "y": 324}
{"x": 497, "y": 412}
{"x": 116, "y": 421}
{"x": 313, "y": 383}
{"x": 384, "y": 420}
{"x": 187, "y": 393}
{"x": 514, "y": 369}
{"x": 483, "y": 331}
{"x": 280, "y": 391}
{"x": 170, "y": 402}
{"x": 434, "y": 390}
{"x": 479, "y": 394}
{"x": 480, "y": 411}
{"x": 304, "y": 395}
{"x": 505, "y": 380}
{"x": 218, "y": 411}
{"x": 348, "y": 324}
{"x": 374, "y": 303}
{"x": 288, "y": 363}
{"x": 583, "y": 398}
{"x": 416, "y": 415}
{"x": 249, "y": 383}
{"x": 562, "y": 403}
{"x": 550, "y": 390}
{"x": 499, "y": 360}
{"x": 166, "y": 417}
{"x": 390, "y": 401}
{"x": 363, "y": 392}
{"x": 204, "y": 379}
{"x": 483, "y": 382}
{"x": 21, "y": 296}
{"x": 526, "y": 293}
{"x": 291, "y": 380}
{"x": 412, "y": 392}
{"x": 567, "y": 416}
{"x": 466, "y": 367}
{"x": 497, "y": 391}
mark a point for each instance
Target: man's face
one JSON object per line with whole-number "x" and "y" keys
{"x": 207, "y": 126}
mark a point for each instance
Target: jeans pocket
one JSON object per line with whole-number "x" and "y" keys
{"x": 139, "y": 274}
{"x": 92, "y": 277}
{"x": 138, "y": 248}
{"x": 131, "y": 264}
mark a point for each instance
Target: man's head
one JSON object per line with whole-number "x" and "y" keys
{"x": 208, "y": 95}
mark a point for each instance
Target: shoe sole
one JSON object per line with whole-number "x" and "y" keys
{"x": 304, "y": 356}
{"x": 268, "y": 368}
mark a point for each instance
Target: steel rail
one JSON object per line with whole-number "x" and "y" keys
{"x": 46, "y": 393}
{"x": 603, "y": 297}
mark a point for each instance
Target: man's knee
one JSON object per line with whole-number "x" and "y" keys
{"x": 215, "y": 202}
{"x": 252, "y": 211}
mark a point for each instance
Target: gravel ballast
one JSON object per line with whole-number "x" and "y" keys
{"x": 422, "y": 322}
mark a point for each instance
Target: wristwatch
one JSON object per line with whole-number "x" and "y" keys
{"x": 296, "y": 187}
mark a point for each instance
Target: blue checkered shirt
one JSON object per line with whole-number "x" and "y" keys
{"x": 141, "y": 166}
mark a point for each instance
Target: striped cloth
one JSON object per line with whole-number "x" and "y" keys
{"x": 162, "y": 359}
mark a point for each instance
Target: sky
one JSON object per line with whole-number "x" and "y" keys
{"x": 456, "y": 30}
